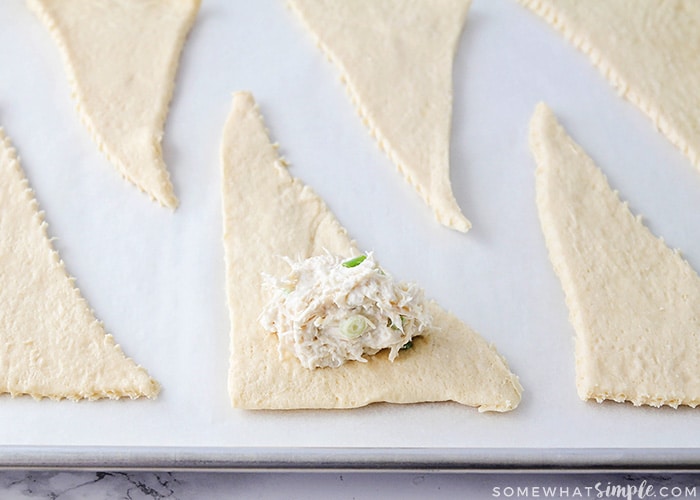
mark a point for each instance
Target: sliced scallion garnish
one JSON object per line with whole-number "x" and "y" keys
{"x": 393, "y": 326}
{"x": 354, "y": 326}
{"x": 355, "y": 261}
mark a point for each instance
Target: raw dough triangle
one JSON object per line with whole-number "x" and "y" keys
{"x": 121, "y": 57}
{"x": 267, "y": 214}
{"x": 634, "y": 302}
{"x": 396, "y": 61}
{"x": 647, "y": 50}
{"x": 51, "y": 345}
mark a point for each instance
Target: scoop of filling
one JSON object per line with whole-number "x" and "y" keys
{"x": 327, "y": 311}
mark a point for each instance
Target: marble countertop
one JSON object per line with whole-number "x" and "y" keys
{"x": 67, "y": 485}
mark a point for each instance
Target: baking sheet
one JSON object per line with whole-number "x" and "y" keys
{"x": 156, "y": 278}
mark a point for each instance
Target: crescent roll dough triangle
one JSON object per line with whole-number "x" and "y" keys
{"x": 396, "y": 61}
{"x": 121, "y": 57}
{"x": 634, "y": 302}
{"x": 268, "y": 214}
{"x": 51, "y": 345}
{"x": 648, "y": 51}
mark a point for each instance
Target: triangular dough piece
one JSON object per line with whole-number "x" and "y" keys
{"x": 647, "y": 50}
{"x": 634, "y": 302}
{"x": 51, "y": 345}
{"x": 396, "y": 61}
{"x": 121, "y": 57}
{"x": 268, "y": 214}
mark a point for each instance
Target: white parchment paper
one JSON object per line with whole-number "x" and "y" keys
{"x": 156, "y": 278}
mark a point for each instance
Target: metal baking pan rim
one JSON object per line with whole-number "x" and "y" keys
{"x": 350, "y": 459}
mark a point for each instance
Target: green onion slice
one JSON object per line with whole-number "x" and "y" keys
{"x": 356, "y": 261}
{"x": 354, "y": 326}
{"x": 391, "y": 324}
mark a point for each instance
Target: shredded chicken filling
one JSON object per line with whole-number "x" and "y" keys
{"x": 327, "y": 311}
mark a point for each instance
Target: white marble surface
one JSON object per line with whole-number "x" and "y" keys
{"x": 65, "y": 485}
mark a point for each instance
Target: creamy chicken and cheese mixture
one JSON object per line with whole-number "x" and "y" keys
{"x": 327, "y": 311}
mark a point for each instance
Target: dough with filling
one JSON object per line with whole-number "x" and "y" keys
{"x": 51, "y": 345}
{"x": 648, "y": 50}
{"x": 121, "y": 57}
{"x": 396, "y": 62}
{"x": 633, "y": 302}
{"x": 267, "y": 214}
